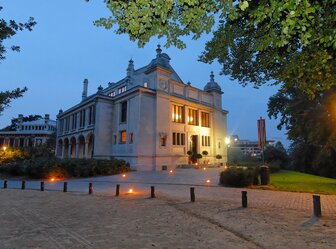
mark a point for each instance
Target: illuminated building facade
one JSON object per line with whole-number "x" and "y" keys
{"x": 150, "y": 118}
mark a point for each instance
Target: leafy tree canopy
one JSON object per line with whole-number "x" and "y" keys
{"x": 287, "y": 41}
{"x": 7, "y": 30}
{"x": 310, "y": 124}
{"x": 7, "y": 96}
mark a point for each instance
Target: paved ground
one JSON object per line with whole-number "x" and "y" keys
{"x": 52, "y": 219}
{"x": 178, "y": 183}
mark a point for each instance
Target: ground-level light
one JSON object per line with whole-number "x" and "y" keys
{"x": 130, "y": 191}
{"x": 208, "y": 181}
{"x": 124, "y": 175}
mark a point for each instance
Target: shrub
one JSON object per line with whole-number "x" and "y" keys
{"x": 46, "y": 167}
{"x": 238, "y": 177}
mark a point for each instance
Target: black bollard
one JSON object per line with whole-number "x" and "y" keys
{"x": 65, "y": 187}
{"x": 152, "y": 192}
{"x": 5, "y": 184}
{"x": 23, "y": 186}
{"x": 90, "y": 188}
{"x": 244, "y": 199}
{"x": 42, "y": 186}
{"x": 317, "y": 205}
{"x": 192, "y": 194}
{"x": 117, "y": 190}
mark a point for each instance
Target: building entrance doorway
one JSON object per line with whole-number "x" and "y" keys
{"x": 194, "y": 148}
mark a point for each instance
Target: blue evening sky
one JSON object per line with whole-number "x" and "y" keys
{"x": 65, "y": 47}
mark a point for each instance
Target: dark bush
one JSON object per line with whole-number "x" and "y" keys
{"x": 46, "y": 167}
{"x": 238, "y": 177}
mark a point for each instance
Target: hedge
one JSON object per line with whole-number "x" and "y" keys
{"x": 46, "y": 167}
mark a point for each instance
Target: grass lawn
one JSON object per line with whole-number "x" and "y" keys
{"x": 300, "y": 182}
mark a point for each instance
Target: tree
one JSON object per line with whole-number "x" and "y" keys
{"x": 8, "y": 30}
{"x": 310, "y": 124}
{"x": 291, "y": 42}
{"x": 276, "y": 155}
{"x": 7, "y": 96}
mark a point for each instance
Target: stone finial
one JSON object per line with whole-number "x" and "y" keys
{"x": 85, "y": 89}
{"x": 189, "y": 83}
{"x": 130, "y": 68}
{"x": 60, "y": 111}
{"x": 212, "y": 77}
{"x": 158, "y": 50}
{"x": 100, "y": 89}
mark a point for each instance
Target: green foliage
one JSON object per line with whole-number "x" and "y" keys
{"x": 143, "y": 19}
{"x": 7, "y": 96}
{"x": 12, "y": 155}
{"x": 47, "y": 167}
{"x": 9, "y": 29}
{"x": 204, "y": 153}
{"x": 279, "y": 42}
{"x": 219, "y": 156}
{"x": 238, "y": 177}
{"x": 276, "y": 155}
{"x": 189, "y": 153}
{"x": 310, "y": 124}
{"x": 40, "y": 162}
{"x": 237, "y": 157}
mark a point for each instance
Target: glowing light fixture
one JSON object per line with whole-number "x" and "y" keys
{"x": 52, "y": 179}
{"x": 130, "y": 191}
{"x": 4, "y": 148}
{"x": 171, "y": 171}
{"x": 124, "y": 175}
{"x": 208, "y": 181}
{"x": 204, "y": 168}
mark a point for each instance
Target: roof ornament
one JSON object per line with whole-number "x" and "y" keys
{"x": 100, "y": 89}
{"x": 158, "y": 50}
{"x": 130, "y": 68}
{"x": 212, "y": 77}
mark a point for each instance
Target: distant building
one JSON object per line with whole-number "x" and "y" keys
{"x": 29, "y": 134}
{"x": 150, "y": 118}
{"x": 248, "y": 147}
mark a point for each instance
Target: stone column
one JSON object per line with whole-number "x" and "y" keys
{"x": 76, "y": 149}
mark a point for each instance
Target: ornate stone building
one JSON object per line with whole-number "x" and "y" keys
{"x": 150, "y": 118}
{"x": 29, "y": 134}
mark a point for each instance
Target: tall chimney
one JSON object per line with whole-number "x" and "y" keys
{"x": 85, "y": 89}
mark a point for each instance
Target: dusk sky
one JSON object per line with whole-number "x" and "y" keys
{"x": 65, "y": 48}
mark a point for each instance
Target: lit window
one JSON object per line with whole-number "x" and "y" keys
{"x": 193, "y": 117}
{"x": 146, "y": 84}
{"x": 178, "y": 138}
{"x": 205, "y": 119}
{"x": 206, "y": 141}
{"x": 177, "y": 114}
{"x": 123, "y": 136}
